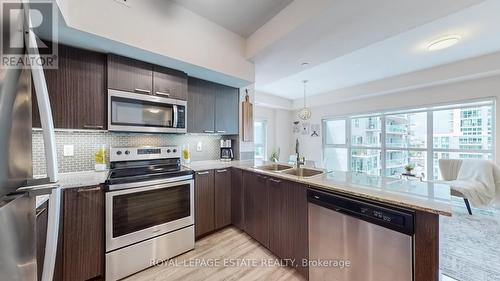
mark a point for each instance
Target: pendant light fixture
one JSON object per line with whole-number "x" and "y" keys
{"x": 305, "y": 112}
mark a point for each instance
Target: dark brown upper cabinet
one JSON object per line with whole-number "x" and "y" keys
{"x": 226, "y": 110}
{"x": 129, "y": 75}
{"x": 170, "y": 83}
{"x": 77, "y": 90}
{"x": 212, "y": 107}
{"x": 201, "y": 106}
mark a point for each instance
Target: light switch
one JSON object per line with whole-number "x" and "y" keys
{"x": 69, "y": 150}
{"x": 199, "y": 146}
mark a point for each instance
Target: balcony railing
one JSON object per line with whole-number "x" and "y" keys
{"x": 397, "y": 129}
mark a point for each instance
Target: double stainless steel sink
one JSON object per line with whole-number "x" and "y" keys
{"x": 290, "y": 170}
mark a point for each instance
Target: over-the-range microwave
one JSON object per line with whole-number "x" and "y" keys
{"x": 131, "y": 112}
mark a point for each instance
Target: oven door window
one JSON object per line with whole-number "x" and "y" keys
{"x": 131, "y": 112}
{"x": 137, "y": 211}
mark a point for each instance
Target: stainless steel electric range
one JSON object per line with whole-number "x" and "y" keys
{"x": 149, "y": 209}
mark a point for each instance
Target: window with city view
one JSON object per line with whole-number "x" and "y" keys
{"x": 260, "y": 139}
{"x": 385, "y": 143}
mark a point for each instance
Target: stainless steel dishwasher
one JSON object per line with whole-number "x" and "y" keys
{"x": 355, "y": 240}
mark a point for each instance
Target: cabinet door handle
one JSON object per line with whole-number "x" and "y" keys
{"x": 262, "y": 177}
{"x": 163, "y": 93}
{"x": 221, "y": 171}
{"x": 208, "y": 131}
{"x": 142, "y": 90}
{"x": 93, "y": 127}
{"x": 221, "y": 132}
{"x": 203, "y": 173}
{"x": 275, "y": 181}
{"x": 81, "y": 190}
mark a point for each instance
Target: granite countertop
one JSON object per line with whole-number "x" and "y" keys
{"x": 423, "y": 196}
{"x": 216, "y": 164}
{"x": 80, "y": 179}
{"x": 73, "y": 180}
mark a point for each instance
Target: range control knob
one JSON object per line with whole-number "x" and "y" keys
{"x": 119, "y": 152}
{"x": 168, "y": 151}
{"x": 175, "y": 150}
{"x": 127, "y": 152}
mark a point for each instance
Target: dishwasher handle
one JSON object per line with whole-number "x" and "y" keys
{"x": 390, "y": 217}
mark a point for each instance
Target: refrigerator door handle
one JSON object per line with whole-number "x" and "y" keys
{"x": 52, "y": 235}
{"x": 47, "y": 123}
{"x": 42, "y": 96}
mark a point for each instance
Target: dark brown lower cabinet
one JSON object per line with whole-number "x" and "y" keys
{"x": 81, "y": 252}
{"x": 204, "y": 203}
{"x": 275, "y": 214}
{"x": 237, "y": 210}
{"x": 256, "y": 207}
{"x": 288, "y": 222}
{"x": 41, "y": 236}
{"x": 222, "y": 198}
{"x": 212, "y": 201}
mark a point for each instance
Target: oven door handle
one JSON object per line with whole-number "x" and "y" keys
{"x": 148, "y": 188}
{"x": 148, "y": 184}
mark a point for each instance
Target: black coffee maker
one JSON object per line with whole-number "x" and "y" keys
{"x": 226, "y": 150}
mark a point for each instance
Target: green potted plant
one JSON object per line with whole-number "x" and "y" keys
{"x": 275, "y": 156}
{"x": 409, "y": 169}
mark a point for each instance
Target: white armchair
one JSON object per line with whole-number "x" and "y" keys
{"x": 475, "y": 180}
{"x": 449, "y": 172}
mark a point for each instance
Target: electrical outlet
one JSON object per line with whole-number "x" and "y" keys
{"x": 199, "y": 147}
{"x": 69, "y": 150}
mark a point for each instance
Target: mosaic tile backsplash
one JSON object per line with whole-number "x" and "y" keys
{"x": 86, "y": 142}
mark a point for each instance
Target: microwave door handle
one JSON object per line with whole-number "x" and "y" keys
{"x": 176, "y": 115}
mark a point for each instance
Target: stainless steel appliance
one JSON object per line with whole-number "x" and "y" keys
{"x": 354, "y": 240}
{"x": 131, "y": 112}
{"x": 149, "y": 209}
{"x": 226, "y": 150}
{"x": 17, "y": 188}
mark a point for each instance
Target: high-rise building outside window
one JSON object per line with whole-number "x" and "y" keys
{"x": 384, "y": 143}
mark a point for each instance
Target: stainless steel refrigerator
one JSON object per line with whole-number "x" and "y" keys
{"x": 17, "y": 188}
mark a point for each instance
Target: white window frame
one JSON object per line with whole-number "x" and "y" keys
{"x": 430, "y": 150}
{"x": 264, "y": 121}
{"x": 347, "y": 144}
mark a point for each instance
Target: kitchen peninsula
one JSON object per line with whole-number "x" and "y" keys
{"x": 272, "y": 207}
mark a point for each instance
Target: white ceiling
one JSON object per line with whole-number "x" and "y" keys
{"x": 242, "y": 17}
{"x": 348, "y": 46}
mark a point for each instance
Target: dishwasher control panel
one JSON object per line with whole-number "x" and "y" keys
{"x": 387, "y": 216}
{"x": 382, "y": 215}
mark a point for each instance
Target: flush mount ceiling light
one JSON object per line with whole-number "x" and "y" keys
{"x": 443, "y": 42}
{"x": 305, "y": 112}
